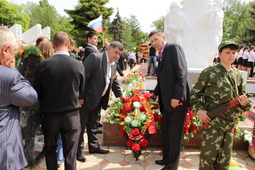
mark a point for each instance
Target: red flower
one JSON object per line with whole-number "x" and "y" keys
{"x": 129, "y": 143}
{"x": 193, "y": 127}
{"x": 191, "y": 115}
{"x": 187, "y": 121}
{"x": 235, "y": 131}
{"x": 144, "y": 142}
{"x": 155, "y": 106}
{"x": 136, "y": 147}
{"x": 155, "y": 116}
{"x": 136, "y": 92}
{"x": 142, "y": 109}
{"x": 121, "y": 110}
{"x": 147, "y": 95}
{"x": 135, "y": 132}
{"x": 126, "y": 99}
{"x": 159, "y": 119}
{"x": 135, "y": 99}
{"x": 128, "y": 108}
{"x": 186, "y": 129}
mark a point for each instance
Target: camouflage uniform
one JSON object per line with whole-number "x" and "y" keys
{"x": 215, "y": 87}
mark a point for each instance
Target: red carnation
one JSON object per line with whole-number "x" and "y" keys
{"x": 191, "y": 115}
{"x": 142, "y": 109}
{"x": 187, "y": 121}
{"x": 186, "y": 129}
{"x": 193, "y": 127}
{"x": 126, "y": 99}
{"x": 135, "y": 132}
{"x": 121, "y": 110}
{"x": 235, "y": 131}
{"x": 129, "y": 143}
{"x": 144, "y": 142}
{"x": 136, "y": 92}
{"x": 155, "y": 116}
{"x": 135, "y": 99}
{"x": 155, "y": 106}
{"x": 159, "y": 119}
{"x": 147, "y": 95}
{"x": 136, "y": 147}
{"x": 128, "y": 108}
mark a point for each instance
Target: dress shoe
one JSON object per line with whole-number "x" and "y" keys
{"x": 99, "y": 150}
{"x": 98, "y": 131}
{"x": 100, "y": 125}
{"x": 160, "y": 162}
{"x": 81, "y": 158}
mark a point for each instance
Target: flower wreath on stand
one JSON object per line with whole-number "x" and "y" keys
{"x": 136, "y": 119}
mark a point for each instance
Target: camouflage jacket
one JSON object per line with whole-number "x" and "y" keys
{"x": 216, "y": 86}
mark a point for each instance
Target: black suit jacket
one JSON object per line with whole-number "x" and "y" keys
{"x": 88, "y": 50}
{"x": 172, "y": 78}
{"x": 59, "y": 81}
{"x": 96, "y": 70}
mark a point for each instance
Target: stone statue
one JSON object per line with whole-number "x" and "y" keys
{"x": 197, "y": 30}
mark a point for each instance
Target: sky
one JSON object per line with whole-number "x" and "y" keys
{"x": 146, "y": 11}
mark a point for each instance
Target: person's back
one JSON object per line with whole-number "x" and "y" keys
{"x": 61, "y": 72}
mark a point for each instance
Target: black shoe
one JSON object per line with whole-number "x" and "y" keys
{"x": 160, "y": 162}
{"x": 99, "y": 150}
{"x": 98, "y": 131}
{"x": 100, "y": 125}
{"x": 81, "y": 158}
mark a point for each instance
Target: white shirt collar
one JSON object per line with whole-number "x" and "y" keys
{"x": 62, "y": 52}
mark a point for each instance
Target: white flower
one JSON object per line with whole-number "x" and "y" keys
{"x": 136, "y": 104}
{"x": 142, "y": 116}
{"x": 134, "y": 123}
{"x": 128, "y": 119}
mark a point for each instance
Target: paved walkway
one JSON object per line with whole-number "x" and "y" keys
{"x": 121, "y": 158}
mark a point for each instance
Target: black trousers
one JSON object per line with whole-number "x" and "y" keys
{"x": 172, "y": 133}
{"x": 69, "y": 127}
{"x": 89, "y": 120}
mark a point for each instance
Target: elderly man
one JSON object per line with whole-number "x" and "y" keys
{"x": 100, "y": 77}
{"x": 15, "y": 91}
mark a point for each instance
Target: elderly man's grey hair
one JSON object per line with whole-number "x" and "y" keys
{"x": 8, "y": 38}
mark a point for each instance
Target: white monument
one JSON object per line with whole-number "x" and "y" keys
{"x": 46, "y": 32}
{"x": 16, "y": 29}
{"x": 197, "y": 30}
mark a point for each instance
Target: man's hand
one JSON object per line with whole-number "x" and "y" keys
{"x": 243, "y": 100}
{"x": 174, "y": 103}
{"x": 203, "y": 116}
{"x": 122, "y": 98}
{"x": 81, "y": 101}
{"x": 154, "y": 96}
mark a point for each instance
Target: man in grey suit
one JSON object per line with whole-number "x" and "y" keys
{"x": 100, "y": 71}
{"x": 15, "y": 91}
{"x": 173, "y": 91}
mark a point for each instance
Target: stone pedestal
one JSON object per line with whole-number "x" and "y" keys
{"x": 111, "y": 138}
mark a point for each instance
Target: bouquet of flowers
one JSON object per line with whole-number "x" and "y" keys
{"x": 136, "y": 118}
{"x": 191, "y": 125}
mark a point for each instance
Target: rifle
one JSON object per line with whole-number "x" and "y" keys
{"x": 218, "y": 111}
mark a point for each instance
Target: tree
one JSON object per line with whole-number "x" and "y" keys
{"x": 84, "y": 12}
{"x": 235, "y": 19}
{"x": 249, "y": 38}
{"x": 11, "y": 14}
{"x": 159, "y": 23}
{"x": 138, "y": 37}
{"x": 128, "y": 39}
{"x": 116, "y": 28}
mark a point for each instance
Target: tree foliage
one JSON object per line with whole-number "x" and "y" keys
{"x": 116, "y": 29}
{"x": 159, "y": 23}
{"x": 11, "y": 14}
{"x": 84, "y": 12}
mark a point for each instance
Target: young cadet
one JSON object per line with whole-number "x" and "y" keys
{"x": 217, "y": 85}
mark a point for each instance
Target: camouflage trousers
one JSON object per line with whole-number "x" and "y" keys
{"x": 216, "y": 146}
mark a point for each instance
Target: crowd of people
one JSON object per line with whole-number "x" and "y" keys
{"x": 66, "y": 88}
{"x": 244, "y": 60}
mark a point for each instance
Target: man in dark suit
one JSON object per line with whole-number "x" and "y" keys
{"x": 91, "y": 47}
{"x": 100, "y": 71}
{"x": 59, "y": 82}
{"x": 173, "y": 91}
